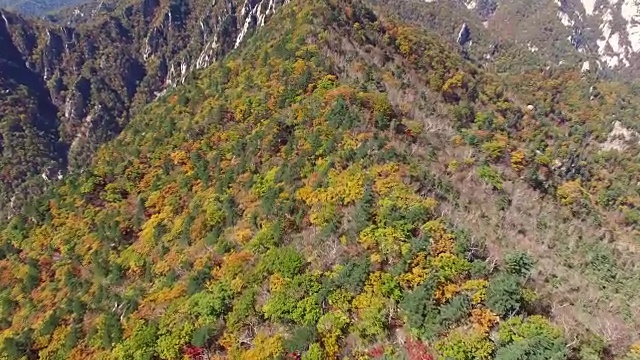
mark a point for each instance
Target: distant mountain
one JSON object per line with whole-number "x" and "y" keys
{"x": 37, "y": 8}
{"x": 598, "y": 35}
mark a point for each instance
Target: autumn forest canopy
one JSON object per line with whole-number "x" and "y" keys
{"x": 341, "y": 186}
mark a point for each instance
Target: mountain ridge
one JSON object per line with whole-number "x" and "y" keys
{"x": 208, "y": 225}
{"x": 145, "y": 42}
{"x": 341, "y": 185}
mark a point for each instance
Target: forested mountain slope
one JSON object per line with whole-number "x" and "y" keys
{"x": 86, "y": 79}
{"x": 341, "y": 186}
{"x": 92, "y": 65}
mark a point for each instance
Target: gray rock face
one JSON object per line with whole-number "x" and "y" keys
{"x": 605, "y": 33}
{"x": 464, "y": 35}
{"x": 605, "y": 30}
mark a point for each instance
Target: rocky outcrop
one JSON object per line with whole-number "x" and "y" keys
{"x": 607, "y": 30}
{"x": 559, "y": 32}
{"x": 484, "y": 8}
{"x": 464, "y": 35}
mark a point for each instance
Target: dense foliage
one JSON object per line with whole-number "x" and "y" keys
{"x": 315, "y": 195}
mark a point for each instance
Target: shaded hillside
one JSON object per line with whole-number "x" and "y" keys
{"x": 340, "y": 186}
{"x": 29, "y": 139}
{"x": 87, "y": 79}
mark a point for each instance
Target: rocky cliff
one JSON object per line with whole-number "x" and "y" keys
{"x": 87, "y": 73}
